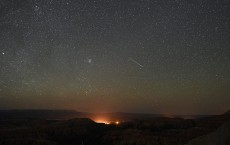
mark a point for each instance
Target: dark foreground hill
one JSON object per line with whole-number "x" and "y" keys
{"x": 50, "y": 132}
{"x": 83, "y": 131}
{"x": 219, "y": 137}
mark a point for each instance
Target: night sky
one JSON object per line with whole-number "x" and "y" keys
{"x": 151, "y": 56}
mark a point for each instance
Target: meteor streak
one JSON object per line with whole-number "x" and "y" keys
{"x": 134, "y": 61}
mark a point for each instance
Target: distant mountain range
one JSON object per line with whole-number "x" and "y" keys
{"x": 39, "y": 114}
{"x": 68, "y": 114}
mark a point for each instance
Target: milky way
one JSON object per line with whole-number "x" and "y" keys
{"x": 153, "y": 56}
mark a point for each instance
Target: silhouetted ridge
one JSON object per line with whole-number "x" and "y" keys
{"x": 227, "y": 113}
{"x": 81, "y": 121}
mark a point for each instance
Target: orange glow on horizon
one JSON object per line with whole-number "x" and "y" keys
{"x": 102, "y": 120}
{"x": 106, "y": 121}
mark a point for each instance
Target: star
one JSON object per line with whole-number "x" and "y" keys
{"x": 115, "y": 51}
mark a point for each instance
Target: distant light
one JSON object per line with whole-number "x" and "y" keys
{"x": 117, "y": 122}
{"x": 3, "y": 53}
{"x": 102, "y": 121}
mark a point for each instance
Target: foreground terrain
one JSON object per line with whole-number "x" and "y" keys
{"x": 83, "y": 131}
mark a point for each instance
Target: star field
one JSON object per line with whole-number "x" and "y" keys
{"x": 153, "y": 56}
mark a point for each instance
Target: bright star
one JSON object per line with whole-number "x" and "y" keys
{"x": 89, "y": 60}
